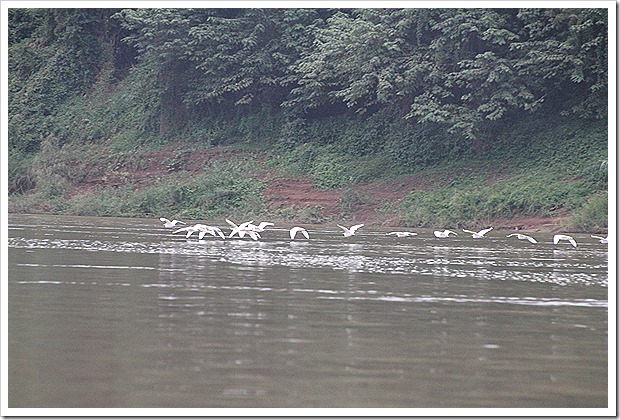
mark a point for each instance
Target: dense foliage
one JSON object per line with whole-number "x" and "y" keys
{"x": 412, "y": 86}
{"x": 464, "y": 68}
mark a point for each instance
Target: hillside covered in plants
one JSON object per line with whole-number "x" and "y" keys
{"x": 416, "y": 117}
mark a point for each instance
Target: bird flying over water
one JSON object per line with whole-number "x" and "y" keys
{"x": 261, "y": 227}
{"x": 557, "y": 238}
{"x": 241, "y": 230}
{"x": 191, "y": 229}
{"x": 169, "y": 223}
{"x": 479, "y": 234}
{"x": 211, "y": 230}
{"x": 401, "y": 234}
{"x": 443, "y": 234}
{"x": 349, "y": 231}
{"x": 296, "y": 229}
{"x": 601, "y": 239}
{"x": 523, "y": 237}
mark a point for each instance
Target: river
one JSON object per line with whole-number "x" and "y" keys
{"x": 118, "y": 312}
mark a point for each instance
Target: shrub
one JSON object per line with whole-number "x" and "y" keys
{"x": 593, "y": 215}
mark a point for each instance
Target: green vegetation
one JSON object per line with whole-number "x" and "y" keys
{"x": 553, "y": 176}
{"x": 222, "y": 188}
{"x": 502, "y": 111}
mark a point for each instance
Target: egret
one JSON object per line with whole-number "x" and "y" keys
{"x": 296, "y": 229}
{"x": 478, "y": 234}
{"x": 401, "y": 234}
{"x": 190, "y": 230}
{"x": 232, "y": 224}
{"x": 170, "y": 224}
{"x": 261, "y": 227}
{"x": 601, "y": 239}
{"x": 443, "y": 234}
{"x": 557, "y": 238}
{"x": 349, "y": 231}
{"x": 522, "y": 237}
{"x": 242, "y": 229}
{"x": 211, "y": 230}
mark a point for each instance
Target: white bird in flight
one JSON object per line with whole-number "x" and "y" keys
{"x": 296, "y": 229}
{"x": 401, "y": 234}
{"x": 601, "y": 239}
{"x": 211, "y": 230}
{"x": 243, "y": 228}
{"x": 170, "y": 224}
{"x": 557, "y": 238}
{"x": 202, "y": 229}
{"x": 522, "y": 236}
{"x": 191, "y": 229}
{"x": 478, "y": 234}
{"x": 240, "y": 229}
{"x": 443, "y": 234}
{"x": 349, "y": 231}
{"x": 261, "y": 227}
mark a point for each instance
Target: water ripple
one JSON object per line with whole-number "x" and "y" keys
{"x": 544, "y": 266}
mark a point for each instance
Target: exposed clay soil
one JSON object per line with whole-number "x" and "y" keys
{"x": 359, "y": 203}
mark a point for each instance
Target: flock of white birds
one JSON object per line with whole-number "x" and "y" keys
{"x": 254, "y": 231}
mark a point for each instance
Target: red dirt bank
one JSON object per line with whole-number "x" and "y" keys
{"x": 360, "y": 202}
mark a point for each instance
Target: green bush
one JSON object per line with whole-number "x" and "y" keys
{"x": 593, "y": 215}
{"x": 330, "y": 170}
{"x": 107, "y": 202}
{"x": 471, "y": 200}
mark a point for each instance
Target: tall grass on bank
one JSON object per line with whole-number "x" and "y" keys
{"x": 223, "y": 188}
{"x": 526, "y": 194}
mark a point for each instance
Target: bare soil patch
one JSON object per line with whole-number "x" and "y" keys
{"x": 300, "y": 191}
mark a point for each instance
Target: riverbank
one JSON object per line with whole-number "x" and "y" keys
{"x": 188, "y": 181}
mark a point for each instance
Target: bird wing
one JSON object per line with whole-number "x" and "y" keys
{"x": 163, "y": 219}
{"x": 356, "y": 227}
{"x": 219, "y": 232}
{"x": 202, "y": 234}
{"x": 343, "y": 228}
{"x": 231, "y": 223}
{"x": 181, "y": 230}
{"x": 299, "y": 229}
{"x": 529, "y": 238}
{"x": 572, "y": 242}
{"x": 448, "y": 232}
{"x": 468, "y": 231}
{"x": 262, "y": 225}
{"x": 254, "y": 235}
{"x": 485, "y": 231}
{"x": 556, "y": 239}
{"x": 294, "y": 231}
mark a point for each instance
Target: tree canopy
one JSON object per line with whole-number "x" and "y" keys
{"x": 463, "y": 68}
